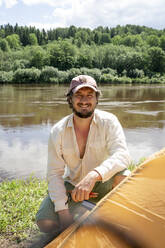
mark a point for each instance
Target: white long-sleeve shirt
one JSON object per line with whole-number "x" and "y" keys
{"x": 106, "y": 152}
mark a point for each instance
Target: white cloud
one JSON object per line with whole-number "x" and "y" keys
{"x": 93, "y": 13}
{"x": 9, "y": 3}
{"x": 63, "y": 16}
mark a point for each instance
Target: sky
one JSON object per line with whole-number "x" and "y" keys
{"x": 49, "y": 14}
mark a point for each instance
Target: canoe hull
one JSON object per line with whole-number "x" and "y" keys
{"x": 133, "y": 212}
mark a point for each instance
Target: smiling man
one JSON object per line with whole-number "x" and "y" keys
{"x": 87, "y": 156}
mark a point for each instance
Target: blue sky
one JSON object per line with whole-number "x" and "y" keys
{"x": 82, "y": 13}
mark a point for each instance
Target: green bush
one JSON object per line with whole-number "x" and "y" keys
{"x": 109, "y": 71}
{"x": 135, "y": 73}
{"x": 107, "y": 78}
{"x": 63, "y": 77}
{"x": 6, "y": 77}
{"x": 54, "y": 80}
{"x": 73, "y": 73}
{"x": 155, "y": 80}
{"x": 95, "y": 73}
{"x": 144, "y": 80}
{"x": 122, "y": 80}
{"x": 162, "y": 80}
{"x": 6, "y": 65}
{"x": 26, "y": 75}
{"x": 48, "y": 74}
{"x": 85, "y": 71}
{"x": 20, "y": 64}
{"x": 4, "y": 46}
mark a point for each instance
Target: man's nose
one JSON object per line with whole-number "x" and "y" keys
{"x": 84, "y": 99}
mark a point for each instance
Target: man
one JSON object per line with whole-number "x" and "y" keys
{"x": 87, "y": 153}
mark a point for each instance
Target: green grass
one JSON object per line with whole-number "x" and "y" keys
{"x": 134, "y": 165}
{"x": 19, "y": 202}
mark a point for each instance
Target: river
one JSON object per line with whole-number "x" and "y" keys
{"x": 27, "y": 114}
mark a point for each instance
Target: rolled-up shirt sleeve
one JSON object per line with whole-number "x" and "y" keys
{"x": 118, "y": 155}
{"x": 55, "y": 171}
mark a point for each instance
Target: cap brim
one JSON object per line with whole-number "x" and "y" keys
{"x": 84, "y": 86}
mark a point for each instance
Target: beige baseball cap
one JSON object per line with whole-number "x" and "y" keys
{"x": 82, "y": 81}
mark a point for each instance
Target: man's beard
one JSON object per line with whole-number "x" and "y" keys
{"x": 81, "y": 114}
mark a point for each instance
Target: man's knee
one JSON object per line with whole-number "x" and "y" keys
{"x": 118, "y": 179}
{"x": 47, "y": 226}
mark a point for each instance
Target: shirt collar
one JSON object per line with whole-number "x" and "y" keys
{"x": 70, "y": 121}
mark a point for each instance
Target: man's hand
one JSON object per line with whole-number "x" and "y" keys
{"x": 84, "y": 187}
{"x": 65, "y": 218}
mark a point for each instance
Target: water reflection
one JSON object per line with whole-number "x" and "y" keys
{"x": 23, "y": 152}
{"x": 28, "y": 112}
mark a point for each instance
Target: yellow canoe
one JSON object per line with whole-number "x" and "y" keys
{"x": 132, "y": 215}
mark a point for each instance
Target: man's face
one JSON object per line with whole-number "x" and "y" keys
{"x": 84, "y": 102}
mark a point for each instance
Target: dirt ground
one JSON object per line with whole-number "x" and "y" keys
{"x": 4, "y": 243}
{"x": 36, "y": 241}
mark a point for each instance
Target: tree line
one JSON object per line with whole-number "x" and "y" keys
{"x": 131, "y": 53}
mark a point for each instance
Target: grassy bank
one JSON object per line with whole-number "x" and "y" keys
{"x": 19, "y": 202}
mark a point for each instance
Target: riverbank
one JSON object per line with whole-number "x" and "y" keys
{"x": 52, "y": 75}
{"x": 19, "y": 202}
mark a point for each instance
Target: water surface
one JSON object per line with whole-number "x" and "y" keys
{"x": 27, "y": 114}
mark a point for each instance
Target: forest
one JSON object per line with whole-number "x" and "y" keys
{"x": 122, "y": 54}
